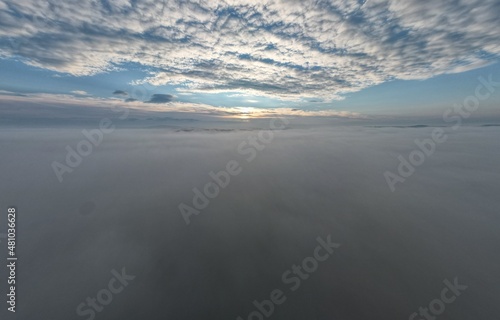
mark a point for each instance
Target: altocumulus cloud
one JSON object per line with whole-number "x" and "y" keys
{"x": 287, "y": 49}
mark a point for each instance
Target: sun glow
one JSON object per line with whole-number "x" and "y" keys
{"x": 247, "y": 113}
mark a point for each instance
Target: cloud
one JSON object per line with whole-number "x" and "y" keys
{"x": 161, "y": 98}
{"x": 120, "y": 93}
{"x": 280, "y": 49}
{"x": 79, "y": 92}
{"x": 29, "y": 105}
{"x": 304, "y": 184}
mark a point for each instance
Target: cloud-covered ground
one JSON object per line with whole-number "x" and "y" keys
{"x": 281, "y": 49}
{"x": 119, "y": 208}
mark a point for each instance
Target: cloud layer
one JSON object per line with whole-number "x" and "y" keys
{"x": 120, "y": 209}
{"x": 286, "y": 49}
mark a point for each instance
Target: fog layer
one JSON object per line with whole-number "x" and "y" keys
{"x": 119, "y": 208}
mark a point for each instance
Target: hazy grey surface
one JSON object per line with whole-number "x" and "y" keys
{"x": 119, "y": 209}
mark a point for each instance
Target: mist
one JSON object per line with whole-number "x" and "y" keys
{"x": 119, "y": 208}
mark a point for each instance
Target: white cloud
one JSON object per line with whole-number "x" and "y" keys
{"x": 79, "y": 92}
{"x": 282, "y": 49}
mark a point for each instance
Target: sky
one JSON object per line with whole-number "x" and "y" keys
{"x": 372, "y": 122}
{"x": 352, "y": 59}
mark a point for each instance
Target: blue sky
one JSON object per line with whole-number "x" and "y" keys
{"x": 343, "y": 58}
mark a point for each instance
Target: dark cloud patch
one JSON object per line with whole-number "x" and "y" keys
{"x": 120, "y": 93}
{"x": 161, "y": 98}
{"x": 130, "y": 100}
